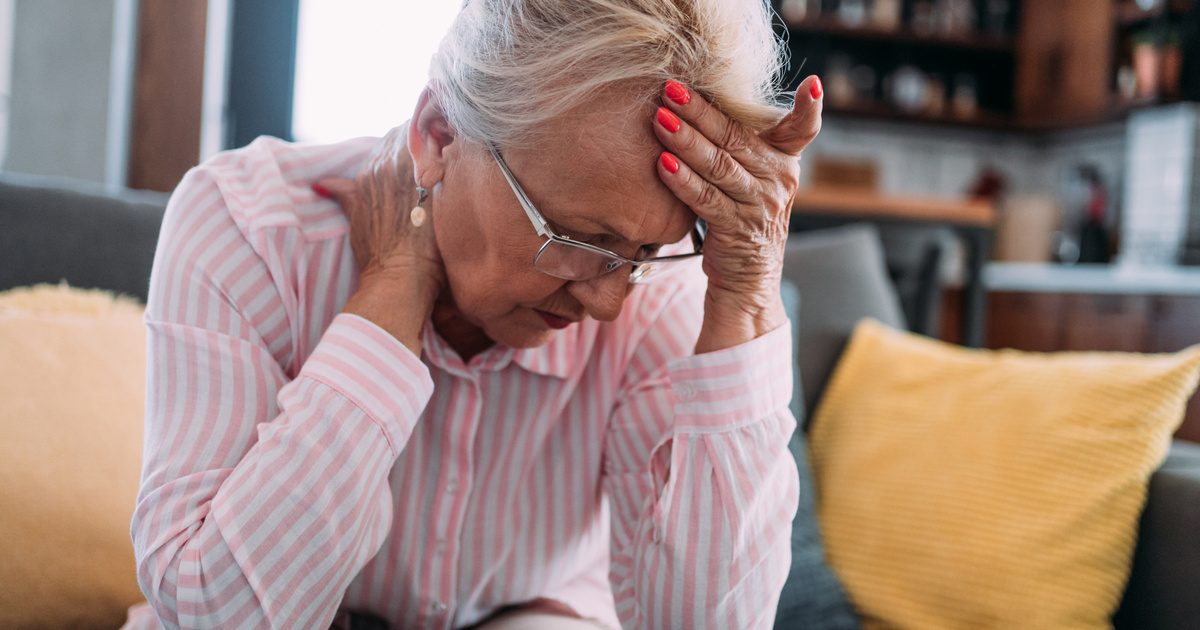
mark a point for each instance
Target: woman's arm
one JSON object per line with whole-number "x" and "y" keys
{"x": 261, "y": 497}
{"x": 701, "y": 485}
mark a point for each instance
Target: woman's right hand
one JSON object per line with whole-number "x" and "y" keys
{"x": 400, "y": 270}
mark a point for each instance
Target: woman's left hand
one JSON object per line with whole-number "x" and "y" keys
{"x": 742, "y": 184}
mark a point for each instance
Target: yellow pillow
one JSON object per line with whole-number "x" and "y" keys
{"x": 989, "y": 489}
{"x": 72, "y": 372}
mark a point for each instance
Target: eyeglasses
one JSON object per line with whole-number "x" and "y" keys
{"x": 564, "y": 257}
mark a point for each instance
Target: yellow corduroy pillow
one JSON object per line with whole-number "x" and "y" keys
{"x": 989, "y": 489}
{"x": 72, "y": 372}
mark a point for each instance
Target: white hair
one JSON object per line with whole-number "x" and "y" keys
{"x": 507, "y": 66}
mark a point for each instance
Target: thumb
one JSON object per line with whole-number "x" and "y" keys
{"x": 800, "y": 126}
{"x": 335, "y": 188}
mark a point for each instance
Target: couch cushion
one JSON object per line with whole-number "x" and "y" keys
{"x": 52, "y": 230}
{"x": 842, "y": 278}
{"x": 966, "y": 488}
{"x": 812, "y": 597}
{"x": 72, "y": 374}
{"x": 1166, "y": 564}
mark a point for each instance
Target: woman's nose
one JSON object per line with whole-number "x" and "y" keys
{"x": 603, "y": 297}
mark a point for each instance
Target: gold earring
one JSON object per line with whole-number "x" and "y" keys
{"x": 419, "y": 214}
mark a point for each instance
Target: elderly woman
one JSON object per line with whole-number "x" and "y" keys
{"x": 493, "y": 372}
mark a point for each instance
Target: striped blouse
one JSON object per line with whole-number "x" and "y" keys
{"x": 300, "y": 461}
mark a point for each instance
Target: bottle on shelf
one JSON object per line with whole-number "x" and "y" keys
{"x": 1093, "y": 235}
{"x": 796, "y": 11}
{"x": 995, "y": 16}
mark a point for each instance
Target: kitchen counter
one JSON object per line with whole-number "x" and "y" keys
{"x": 1091, "y": 279}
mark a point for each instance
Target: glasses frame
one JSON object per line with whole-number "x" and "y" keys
{"x": 639, "y": 269}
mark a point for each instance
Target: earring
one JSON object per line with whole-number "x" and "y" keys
{"x": 419, "y": 214}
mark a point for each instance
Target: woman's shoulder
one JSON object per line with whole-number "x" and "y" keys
{"x": 267, "y": 183}
{"x": 244, "y": 231}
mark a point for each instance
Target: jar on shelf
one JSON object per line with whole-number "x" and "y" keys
{"x": 839, "y": 86}
{"x": 862, "y": 78}
{"x": 909, "y": 89}
{"x": 955, "y": 17}
{"x": 923, "y": 18}
{"x": 965, "y": 102}
{"x": 796, "y": 11}
{"x": 852, "y": 12}
{"x": 885, "y": 14}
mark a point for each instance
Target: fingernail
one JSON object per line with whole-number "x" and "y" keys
{"x": 322, "y": 191}
{"x": 676, "y": 92}
{"x": 668, "y": 120}
{"x": 816, "y": 89}
{"x": 669, "y": 162}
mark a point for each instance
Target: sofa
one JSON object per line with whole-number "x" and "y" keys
{"x": 52, "y": 230}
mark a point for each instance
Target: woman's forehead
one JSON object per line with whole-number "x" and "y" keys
{"x": 599, "y": 164}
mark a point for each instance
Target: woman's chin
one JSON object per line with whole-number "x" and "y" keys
{"x": 522, "y": 333}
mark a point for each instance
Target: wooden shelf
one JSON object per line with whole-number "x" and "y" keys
{"x": 991, "y": 121}
{"x": 882, "y": 111}
{"x": 1011, "y": 71}
{"x": 973, "y": 41}
{"x": 1129, "y": 14}
{"x": 866, "y": 203}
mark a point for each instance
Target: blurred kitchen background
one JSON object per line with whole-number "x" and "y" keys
{"x": 1033, "y": 165}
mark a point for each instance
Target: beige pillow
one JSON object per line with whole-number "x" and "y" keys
{"x": 982, "y": 489}
{"x": 72, "y": 377}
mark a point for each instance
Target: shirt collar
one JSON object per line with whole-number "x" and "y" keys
{"x": 556, "y": 358}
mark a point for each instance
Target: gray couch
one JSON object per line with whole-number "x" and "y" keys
{"x": 52, "y": 230}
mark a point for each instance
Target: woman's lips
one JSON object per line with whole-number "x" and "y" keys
{"x": 554, "y": 321}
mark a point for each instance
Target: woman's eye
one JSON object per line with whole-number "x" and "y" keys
{"x": 649, "y": 251}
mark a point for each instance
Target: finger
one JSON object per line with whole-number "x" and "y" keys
{"x": 712, "y": 162}
{"x": 705, "y": 200}
{"x": 801, "y": 125}
{"x": 335, "y": 188}
{"x": 721, "y": 130}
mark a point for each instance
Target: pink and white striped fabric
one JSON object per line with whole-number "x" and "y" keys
{"x": 299, "y": 461}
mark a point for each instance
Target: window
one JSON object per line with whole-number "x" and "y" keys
{"x": 361, "y": 64}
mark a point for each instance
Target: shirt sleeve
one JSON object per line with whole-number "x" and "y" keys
{"x": 262, "y": 496}
{"x": 701, "y": 484}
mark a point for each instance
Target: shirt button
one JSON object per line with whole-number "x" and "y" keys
{"x": 438, "y": 608}
{"x": 687, "y": 392}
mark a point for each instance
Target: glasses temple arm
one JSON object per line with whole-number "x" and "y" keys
{"x": 539, "y": 223}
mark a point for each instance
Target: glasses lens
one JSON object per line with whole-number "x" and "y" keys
{"x": 569, "y": 262}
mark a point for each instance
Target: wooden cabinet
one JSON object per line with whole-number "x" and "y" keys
{"x": 1050, "y": 322}
{"x": 1064, "y": 60}
{"x": 1051, "y": 64}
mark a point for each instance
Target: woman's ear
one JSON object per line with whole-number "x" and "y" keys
{"x": 429, "y": 136}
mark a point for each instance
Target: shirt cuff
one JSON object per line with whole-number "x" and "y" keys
{"x": 371, "y": 368}
{"x": 725, "y": 389}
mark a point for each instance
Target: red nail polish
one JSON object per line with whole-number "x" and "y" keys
{"x": 816, "y": 89}
{"x": 669, "y": 162}
{"x": 676, "y": 92}
{"x": 322, "y": 191}
{"x": 668, "y": 120}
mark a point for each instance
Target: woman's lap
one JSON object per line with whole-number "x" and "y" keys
{"x": 536, "y": 615}
{"x": 537, "y": 620}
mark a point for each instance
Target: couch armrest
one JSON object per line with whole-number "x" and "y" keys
{"x": 1166, "y": 566}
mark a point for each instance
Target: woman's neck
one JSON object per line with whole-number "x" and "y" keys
{"x": 466, "y": 338}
